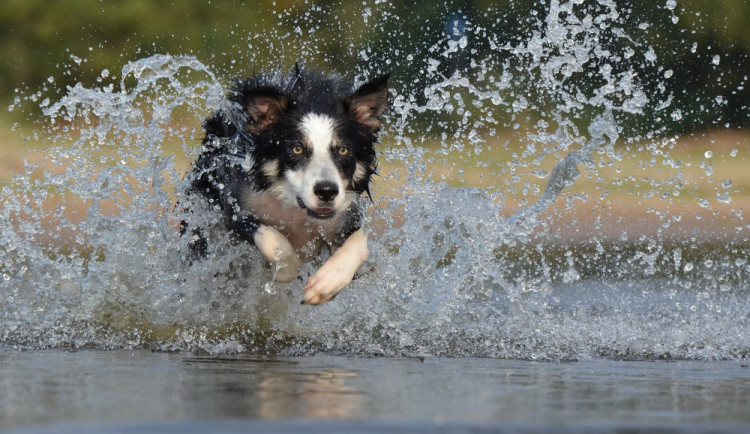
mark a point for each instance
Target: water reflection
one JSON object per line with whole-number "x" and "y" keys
{"x": 270, "y": 389}
{"x": 126, "y": 387}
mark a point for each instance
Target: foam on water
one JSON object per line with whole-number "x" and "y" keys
{"x": 90, "y": 254}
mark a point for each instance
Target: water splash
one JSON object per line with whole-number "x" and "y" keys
{"x": 90, "y": 254}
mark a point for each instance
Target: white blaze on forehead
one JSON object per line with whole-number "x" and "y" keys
{"x": 319, "y": 130}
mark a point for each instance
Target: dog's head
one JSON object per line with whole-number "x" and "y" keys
{"x": 313, "y": 138}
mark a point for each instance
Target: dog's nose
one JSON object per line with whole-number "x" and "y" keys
{"x": 326, "y": 191}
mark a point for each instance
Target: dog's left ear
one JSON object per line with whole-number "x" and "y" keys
{"x": 369, "y": 102}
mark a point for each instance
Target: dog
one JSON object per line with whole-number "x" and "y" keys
{"x": 286, "y": 161}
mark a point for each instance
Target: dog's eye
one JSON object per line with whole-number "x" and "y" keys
{"x": 298, "y": 150}
{"x": 343, "y": 150}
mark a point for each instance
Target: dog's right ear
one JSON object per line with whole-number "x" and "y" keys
{"x": 263, "y": 108}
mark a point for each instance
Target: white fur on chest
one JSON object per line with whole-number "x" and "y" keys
{"x": 305, "y": 234}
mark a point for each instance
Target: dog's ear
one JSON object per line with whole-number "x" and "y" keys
{"x": 264, "y": 107}
{"x": 369, "y": 102}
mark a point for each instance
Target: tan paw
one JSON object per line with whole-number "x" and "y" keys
{"x": 327, "y": 282}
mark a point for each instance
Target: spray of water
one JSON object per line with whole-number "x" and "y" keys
{"x": 90, "y": 254}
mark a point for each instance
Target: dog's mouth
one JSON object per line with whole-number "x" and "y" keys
{"x": 321, "y": 213}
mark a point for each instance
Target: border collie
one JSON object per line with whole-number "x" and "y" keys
{"x": 286, "y": 160}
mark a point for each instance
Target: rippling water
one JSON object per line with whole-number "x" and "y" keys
{"x": 90, "y": 256}
{"x": 141, "y": 391}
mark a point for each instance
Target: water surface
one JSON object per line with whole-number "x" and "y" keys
{"x": 122, "y": 388}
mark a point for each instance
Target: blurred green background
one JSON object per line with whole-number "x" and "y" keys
{"x": 46, "y": 46}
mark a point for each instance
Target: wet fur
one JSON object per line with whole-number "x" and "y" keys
{"x": 285, "y": 161}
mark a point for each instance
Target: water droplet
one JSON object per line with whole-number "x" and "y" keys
{"x": 716, "y": 59}
{"x": 671, "y": 4}
{"x": 270, "y": 288}
{"x": 688, "y": 267}
{"x": 723, "y": 198}
{"x": 708, "y": 154}
{"x": 463, "y": 42}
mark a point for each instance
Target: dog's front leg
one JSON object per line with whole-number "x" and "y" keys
{"x": 338, "y": 270}
{"x": 279, "y": 252}
{"x": 272, "y": 244}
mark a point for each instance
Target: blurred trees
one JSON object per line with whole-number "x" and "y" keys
{"x": 54, "y": 44}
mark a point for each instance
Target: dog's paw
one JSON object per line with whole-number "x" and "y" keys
{"x": 327, "y": 282}
{"x": 285, "y": 265}
{"x": 285, "y": 272}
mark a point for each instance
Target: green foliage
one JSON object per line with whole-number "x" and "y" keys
{"x": 74, "y": 41}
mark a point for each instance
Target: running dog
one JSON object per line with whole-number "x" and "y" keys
{"x": 285, "y": 161}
